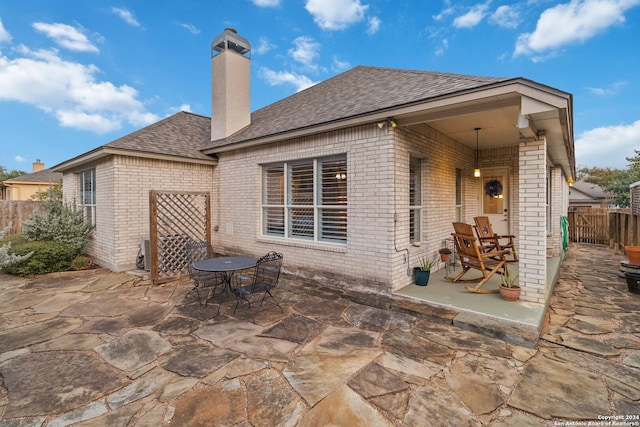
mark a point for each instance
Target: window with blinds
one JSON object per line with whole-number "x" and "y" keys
{"x": 306, "y": 200}
{"x": 273, "y": 201}
{"x": 415, "y": 199}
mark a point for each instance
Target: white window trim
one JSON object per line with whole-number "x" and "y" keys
{"x": 288, "y": 205}
{"x": 416, "y": 207}
{"x": 81, "y": 190}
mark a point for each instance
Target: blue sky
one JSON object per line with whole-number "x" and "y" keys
{"x": 77, "y": 74}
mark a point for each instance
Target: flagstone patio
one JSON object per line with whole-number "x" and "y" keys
{"x": 103, "y": 348}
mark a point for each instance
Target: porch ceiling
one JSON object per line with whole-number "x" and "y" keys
{"x": 503, "y": 120}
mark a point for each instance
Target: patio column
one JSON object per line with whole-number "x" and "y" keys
{"x": 556, "y": 206}
{"x": 532, "y": 228}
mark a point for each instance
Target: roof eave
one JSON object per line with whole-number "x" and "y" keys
{"x": 104, "y": 151}
{"x": 488, "y": 91}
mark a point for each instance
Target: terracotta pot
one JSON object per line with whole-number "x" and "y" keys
{"x": 633, "y": 253}
{"x": 444, "y": 257}
{"x": 510, "y": 294}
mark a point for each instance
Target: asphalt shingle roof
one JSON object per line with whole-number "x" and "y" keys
{"x": 183, "y": 134}
{"x": 591, "y": 189}
{"x": 45, "y": 175}
{"x": 357, "y": 92}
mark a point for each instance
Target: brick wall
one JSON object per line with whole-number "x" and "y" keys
{"x": 122, "y": 211}
{"x": 367, "y": 255}
{"x": 378, "y": 248}
{"x": 532, "y": 227}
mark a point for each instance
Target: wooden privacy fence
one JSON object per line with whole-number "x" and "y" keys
{"x": 589, "y": 225}
{"x": 616, "y": 228}
{"x": 623, "y": 229}
{"x": 14, "y": 212}
{"x": 175, "y": 220}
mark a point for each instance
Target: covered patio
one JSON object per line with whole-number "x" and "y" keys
{"x": 485, "y": 313}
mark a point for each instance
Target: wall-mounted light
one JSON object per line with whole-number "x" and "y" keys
{"x": 393, "y": 123}
{"x": 380, "y": 125}
{"x": 341, "y": 176}
{"x": 570, "y": 181}
{"x": 476, "y": 171}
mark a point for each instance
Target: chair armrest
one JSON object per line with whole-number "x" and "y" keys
{"x": 492, "y": 238}
{"x": 493, "y": 254}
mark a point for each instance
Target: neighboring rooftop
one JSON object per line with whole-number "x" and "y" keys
{"x": 44, "y": 176}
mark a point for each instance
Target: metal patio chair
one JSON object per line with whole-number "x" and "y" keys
{"x": 473, "y": 257}
{"x": 213, "y": 282}
{"x": 266, "y": 273}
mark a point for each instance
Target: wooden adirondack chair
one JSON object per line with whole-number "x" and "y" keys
{"x": 473, "y": 257}
{"x": 494, "y": 242}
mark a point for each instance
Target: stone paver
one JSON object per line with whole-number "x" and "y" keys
{"x": 103, "y": 348}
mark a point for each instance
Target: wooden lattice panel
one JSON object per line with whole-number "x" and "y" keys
{"x": 176, "y": 219}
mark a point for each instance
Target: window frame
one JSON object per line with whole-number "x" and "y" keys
{"x": 309, "y": 201}
{"x": 415, "y": 200}
{"x": 88, "y": 204}
{"x": 459, "y": 197}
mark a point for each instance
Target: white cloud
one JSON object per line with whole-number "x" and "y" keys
{"x": 374, "y": 25}
{"x": 5, "y": 37}
{"x": 305, "y": 51}
{"x": 506, "y": 17}
{"x": 66, "y": 36}
{"x": 266, "y": 3}
{"x": 472, "y": 17}
{"x": 189, "y": 27}
{"x": 69, "y": 91}
{"x": 85, "y": 121}
{"x": 336, "y": 14}
{"x": 595, "y": 147}
{"x": 182, "y": 107}
{"x": 612, "y": 89}
{"x": 20, "y": 159}
{"x": 442, "y": 47}
{"x": 445, "y": 12}
{"x": 440, "y": 40}
{"x": 126, "y": 15}
{"x": 275, "y": 78}
{"x": 264, "y": 46}
{"x": 572, "y": 22}
{"x": 338, "y": 65}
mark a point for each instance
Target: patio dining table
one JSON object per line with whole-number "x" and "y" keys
{"x": 228, "y": 266}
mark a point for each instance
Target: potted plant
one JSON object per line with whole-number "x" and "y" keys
{"x": 509, "y": 291}
{"x": 633, "y": 253}
{"x": 445, "y": 253}
{"x": 423, "y": 271}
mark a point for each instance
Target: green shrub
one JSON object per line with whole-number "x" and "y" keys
{"x": 81, "y": 263}
{"x": 7, "y": 256}
{"x": 14, "y": 239}
{"x": 58, "y": 221}
{"x": 47, "y": 257}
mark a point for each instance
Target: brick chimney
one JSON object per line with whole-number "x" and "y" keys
{"x": 230, "y": 98}
{"x": 38, "y": 166}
